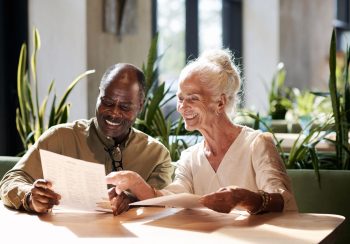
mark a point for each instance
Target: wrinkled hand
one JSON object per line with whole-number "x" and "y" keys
{"x": 119, "y": 202}
{"x": 123, "y": 180}
{"x": 42, "y": 198}
{"x": 227, "y": 198}
{"x": 222, "y": 200}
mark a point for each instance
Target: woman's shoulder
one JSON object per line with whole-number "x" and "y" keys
{"x": 249, "y": 134}
{"x": 255, "y": 137}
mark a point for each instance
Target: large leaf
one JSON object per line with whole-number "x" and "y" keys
{"x": 20, "y": 127}
{"x": 71, "y": 86}
{"x": 154, "y": 103}
{"x": 36, "y": 47}
{"x": 346, "y": 86}
{"x": 30, "y": 117}
{"x": 151, "y": 59}
{"x": 334, "y": 94}
{"x": 52, "y": 112}
{"x": 21, "y": 73}
{"x": 64, "y": 114}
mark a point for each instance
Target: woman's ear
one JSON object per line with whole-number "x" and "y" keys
{"x": 221, "y": 104}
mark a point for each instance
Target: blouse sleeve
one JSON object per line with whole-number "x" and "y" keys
{"x": 183, "y": 181}
{"x": 271, "y": 175}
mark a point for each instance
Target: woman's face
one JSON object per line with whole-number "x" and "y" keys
{"x": 195, "y": 104}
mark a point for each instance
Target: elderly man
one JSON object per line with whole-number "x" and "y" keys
{"x": 107, "y": 139}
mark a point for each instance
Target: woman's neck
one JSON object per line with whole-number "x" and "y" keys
{"x": 219, "y": 138}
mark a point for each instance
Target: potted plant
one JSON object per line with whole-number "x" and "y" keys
{"x": 152, "y": 119}
{"x": 279, "y": 103}
{"x": 30, "y": 116}
{"x": 320, "y": 180}
{"x": 327, "y": 190}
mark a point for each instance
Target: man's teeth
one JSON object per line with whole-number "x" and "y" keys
{"x": 112, "y": 123}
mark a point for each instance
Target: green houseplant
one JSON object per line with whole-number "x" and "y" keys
{"x": 278, "y": 94}
{"x": 340, "y": 98}
{"x": 152, "y": 119}
{"x": 327, "y": 190}
{"x": 30, "y": 115}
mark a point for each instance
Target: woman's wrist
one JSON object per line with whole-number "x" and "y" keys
{"x": 268, "y": 202}
{"x": 261, "y": 203}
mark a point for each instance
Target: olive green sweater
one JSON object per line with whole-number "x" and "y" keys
{"x": 82, "y": 139}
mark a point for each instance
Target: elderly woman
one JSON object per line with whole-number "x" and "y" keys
{"x": 235, "y": 166}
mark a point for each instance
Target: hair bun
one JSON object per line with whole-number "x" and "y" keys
{"x": 222, "y": 58}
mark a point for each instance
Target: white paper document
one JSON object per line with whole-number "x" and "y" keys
{"x": 81, "y": 184}
{"x": 181, "y": 200}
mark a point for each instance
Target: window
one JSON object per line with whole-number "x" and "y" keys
{"x": 210, "y": 27}
{"x": 188, "y": 27}
{"x": 171, "y": 41}
{"x": 342, "y": 23}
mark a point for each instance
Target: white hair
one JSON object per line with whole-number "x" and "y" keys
{"x": 217, "y": 71}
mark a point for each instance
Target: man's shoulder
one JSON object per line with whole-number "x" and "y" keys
{"x": 141, "y": 136}
{"x": 76, "y": 124}
{"x": 69, "y": 127}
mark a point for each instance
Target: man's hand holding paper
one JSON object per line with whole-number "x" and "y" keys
{"x": 80, "y": 184}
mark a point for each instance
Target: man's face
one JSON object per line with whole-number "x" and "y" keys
{"x": 118, "y": 104}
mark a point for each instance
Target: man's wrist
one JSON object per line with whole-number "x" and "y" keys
{"x": 26, "y": 202}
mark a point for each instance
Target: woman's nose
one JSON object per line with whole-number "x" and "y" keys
{"x": 182, "y": 105}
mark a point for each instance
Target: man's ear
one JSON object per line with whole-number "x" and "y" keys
{"x": 142, "y": 103}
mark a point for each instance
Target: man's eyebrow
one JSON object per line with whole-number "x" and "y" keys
{"x": 115, "y": 99}
{"x": 125, "y": 102}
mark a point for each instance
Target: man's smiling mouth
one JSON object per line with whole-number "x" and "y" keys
{"x": 113, "y": 123}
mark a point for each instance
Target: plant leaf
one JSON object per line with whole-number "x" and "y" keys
{"x": 70, "y": 88}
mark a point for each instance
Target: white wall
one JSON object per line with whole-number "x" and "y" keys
{"x": 306, "y": 29}
{"x": 106, "y": 49}
{"x": 73, "y": 41}
{"x": 260, "y": 50}
{"x": 63, "y": 54}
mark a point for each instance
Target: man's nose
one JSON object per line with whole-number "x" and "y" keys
{"x": 116, "y": 110}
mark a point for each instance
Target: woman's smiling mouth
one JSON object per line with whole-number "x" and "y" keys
{"x": 190, "y": 116}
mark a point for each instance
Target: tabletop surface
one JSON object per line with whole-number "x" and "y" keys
{"x": 147, "y": 224}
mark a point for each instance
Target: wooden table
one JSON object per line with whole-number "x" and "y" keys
{"x": 154, "y": 224}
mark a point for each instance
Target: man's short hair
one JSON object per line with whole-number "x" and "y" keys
{"x": 115, "y": 69}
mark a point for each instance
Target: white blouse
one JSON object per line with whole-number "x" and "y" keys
{"x": 252, "y": 162}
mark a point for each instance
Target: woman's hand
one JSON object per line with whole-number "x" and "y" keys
{"x": 42, "y": 197}
{"x": 129, "y": 180}
{"x": 227, "y": 198}
{"x": 123, "y": 180}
